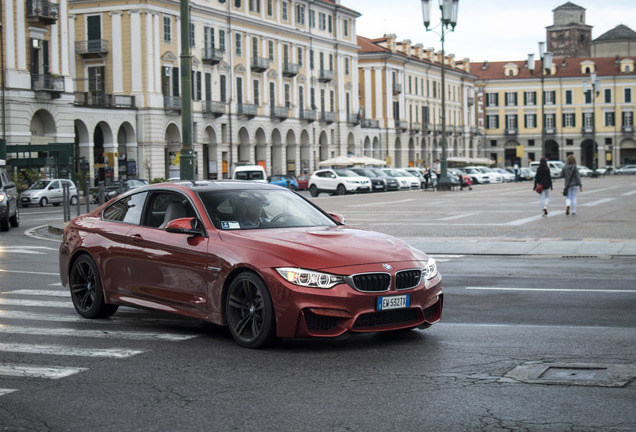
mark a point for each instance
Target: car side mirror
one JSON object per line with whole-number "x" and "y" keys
{"x": 338, "y": 217}
{"x": 333, "y": 176}
{"x": 184, "y": 226}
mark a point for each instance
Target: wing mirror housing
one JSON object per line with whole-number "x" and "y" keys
{"x": 188, "y": 226}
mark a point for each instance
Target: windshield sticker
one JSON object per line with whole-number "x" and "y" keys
{"x": 227, "y": 225}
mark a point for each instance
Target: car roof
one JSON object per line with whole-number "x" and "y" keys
{"x": 207, "y": 185}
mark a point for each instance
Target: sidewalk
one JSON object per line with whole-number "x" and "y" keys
{"x": 495, "y": 246}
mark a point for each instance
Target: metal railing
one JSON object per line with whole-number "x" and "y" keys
{"x": 47, "y": 82}
{"x": 95, "y": 46}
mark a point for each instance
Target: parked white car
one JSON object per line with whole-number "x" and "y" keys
{"x": 507, "y": 175}
{"x": 337, "y": 181}
{"x": 44, "y": 192}
{"x": 402, "y": 178}
{"x": 493, "y": 175}
{"x": 416, "y": 182}
{"x": 250, "y": 172}
{"x": 476, "y": 174}
{"x": 585, "y": 171}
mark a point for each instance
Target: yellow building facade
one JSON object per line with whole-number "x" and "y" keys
{"x": 579, "y": 106}
{"x": 400, "y": 103}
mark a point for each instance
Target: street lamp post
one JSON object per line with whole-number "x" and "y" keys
{"x": 447, "y": 23}
{"x": 546, "y": 69}
{"x": 593, "y": 84}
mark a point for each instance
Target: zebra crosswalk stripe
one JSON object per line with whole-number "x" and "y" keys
{"x": 66, "y": 350}
{"x": 94, "y": 333}
{"x": 51, "y": 372}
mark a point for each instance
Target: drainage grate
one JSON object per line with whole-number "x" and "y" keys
{"x": 579, "y": 257}
{"x": 599, "y": 375}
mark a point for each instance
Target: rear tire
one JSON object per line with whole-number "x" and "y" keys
{"x": 15, "y": 219}
{"x": 4, "y": 222}
{"x": 87, "y": 291}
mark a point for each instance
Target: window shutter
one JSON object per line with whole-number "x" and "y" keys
{"x": 175, "y": 81}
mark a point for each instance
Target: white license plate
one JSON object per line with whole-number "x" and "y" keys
{"x": 394, "y": 302}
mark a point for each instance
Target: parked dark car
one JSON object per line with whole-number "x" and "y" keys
{"x": 9, "y": 212}
{"x": 378, "y": 184}
{"x": 257, "y": 258}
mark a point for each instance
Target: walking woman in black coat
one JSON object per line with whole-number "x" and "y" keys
{"x": 543, "y": 178}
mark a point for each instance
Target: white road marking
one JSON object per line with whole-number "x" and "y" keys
{"x": 67, "y": 350}
{"x": 597, "y": 202}
{"x": 550, "y": 289}
{"x": 29, "y": 272}
{"x": 50, "y": 372}
{"x": 37, "y": 303}
{"x": 629, "y": 193}
{"x": 103, "y": 334}
{"x": 5, "y": 314}
{"x": 48, "y": 293}
{"x": 6, "y": 391}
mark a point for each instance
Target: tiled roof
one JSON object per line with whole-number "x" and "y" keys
{"x": 606, "y": 66}
{"x": 619, "y": 32}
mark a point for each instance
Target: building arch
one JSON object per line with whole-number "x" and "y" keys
{"x": 42, "y": 127}
{"x": 397, "y": 162}
{"x": 323, "y": 142}
{"x": 351, "y": 144}
{"x": 211, "y": 168}
{"x": 127, "y": 151}
{"x": 172, "y": 151}
{"x": 243, "y": 156}
{"x": 291, "y": 148}
{"x": 377, "y": 149}
{"x": 305, "y": 152}
{"x": 627, "y": 152}
{"x": 551, "y": 150}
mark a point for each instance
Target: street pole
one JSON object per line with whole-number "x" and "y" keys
{"x": 448, "y": 22}
{"x": 186, "y": 165}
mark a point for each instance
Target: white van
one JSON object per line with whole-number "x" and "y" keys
{"x": 555, "y": 167}
{"x": 250, "y": 172}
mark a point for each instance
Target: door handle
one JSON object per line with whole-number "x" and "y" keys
{"x": 136, "y": 238}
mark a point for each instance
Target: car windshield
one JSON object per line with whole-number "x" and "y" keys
{"x": 41, "y": 184}
{"x": 238, "y": 209}
{"x": 366, "y": 172}
{"x": 392, "y": 173}
{"x": 344, "y": 172}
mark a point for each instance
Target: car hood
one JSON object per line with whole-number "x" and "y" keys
{"x": 321, "y": 248}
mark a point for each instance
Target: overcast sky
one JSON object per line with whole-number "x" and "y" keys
{"x": 494, "y": 30}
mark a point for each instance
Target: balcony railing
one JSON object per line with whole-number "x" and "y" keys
{"x": 172, "y": 103}
{"x": 215, "y": 108}
{"x": 325, "y": 75}
{"x": 369, "y": 123}
{"x": 260, "y": 64}
{"x": 416, "y": 127}
{"x": 213, "y": 56}
{"x": 401, "y": 124}
{"x": 427, "y": 126}
{"x": 248, "y": 110}
{"x": 290, "y": 69}
{"x": 47, "y": 82}
{"x": 353, "y": 118}
{"x": 511, "y": 131}
{"x": 327, "y": 116}
{"x": 397, "y": 89}
{"x": 42, "y": 11}
{"x": 99, "y": 99}
{"x": 627, "y": 130}
{"x": 281, "y": 113}
{"x": 549, "y": 131}
{"x": 91, "y": 47}
{"x": 309, "y": 115}
{"x": 587, "y": 130}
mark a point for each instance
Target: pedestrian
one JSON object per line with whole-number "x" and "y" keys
{"x": 426, "y": 172}
{"x": 572, "y": 181}
{"x": 437, "y": 167}
{"x": 516, "y": 170}
{"x": 544, "y": 179}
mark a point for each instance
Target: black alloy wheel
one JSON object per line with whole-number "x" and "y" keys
{"x": 86, "y": 290}
{"x": 249, "y": 312}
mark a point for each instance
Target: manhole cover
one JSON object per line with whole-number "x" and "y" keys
{"x": 601, "y": 375}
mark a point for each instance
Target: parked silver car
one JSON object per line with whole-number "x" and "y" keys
{"x": 44, "y": 192}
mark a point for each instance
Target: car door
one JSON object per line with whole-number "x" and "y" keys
{"x": 167, "y": 270}
{"x": 54, "y": 192}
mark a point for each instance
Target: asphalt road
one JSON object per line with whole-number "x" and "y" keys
{"x": 526, "y": 343}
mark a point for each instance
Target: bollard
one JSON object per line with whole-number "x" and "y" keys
{"x": 66, "y": 199}
{"x": 86, "y": 194}
{"x": 101, "y": 193}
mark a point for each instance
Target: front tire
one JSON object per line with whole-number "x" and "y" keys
{"x": 43, "y": 202}
{"x": 313, "y": 190}
{"x": 15, "y": 219}
{"x": 341, "y": 190}
{"x": 249, "y": 312}
{"x": 87, "y": 292}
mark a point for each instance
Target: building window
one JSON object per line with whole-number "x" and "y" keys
{"x": 628, "y": 119}
{"x": 492, "y": 99}
{"x": 511, "y": 121}
{"x": 346, "y": 65}
{"x": 222, "y": 40}
{"x": 608, "y": 95}
{"x": 300, "y": 14}
{"x": 531, "y": 121}
{"x": 628, "y": 95}
{"x": 549, "y": 97}
{"x": 346, "y": 27}
{"x": 588, "y": 120}
{"x": 300, "y": 56}
{"x": 569, "y": 120}
{"x": 287, "y": 96}
{"x": 192, "y": 35}
{"x": 493, "y": 143}
{"x": 492, "y": 121}
{"x": 568, "y": 97}
{"x": 550, "y": 122}
{"x": 511, "y": 98}
{"x": 237, "y": 3}
{"x": 284, "y": 10}
{"x": 311, "y": 59}
{"x": 322, "y": 21}
{"x": 255, "y": 6}
{"x": 208, "y": 39}
{"x": 270, "y": 50}
{"x": 312, "y": 18}
{"x": 588, "y": 97}
{"x": 531, "y": 143}
{"x": 238, "y": 47}
{"x": 610, "y": 119}
{"x": 270, "y": 8}
{"x": 167, "y": 29}
{"x": 223, "y": 88}
{"x": 256, "y": 90}
{"x": 330, "y": 22}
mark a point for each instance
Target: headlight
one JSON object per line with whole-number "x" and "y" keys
{"x": 309, "y": 278}
{"x": 430, "y": 271}
{"x": 2, "y": 197}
